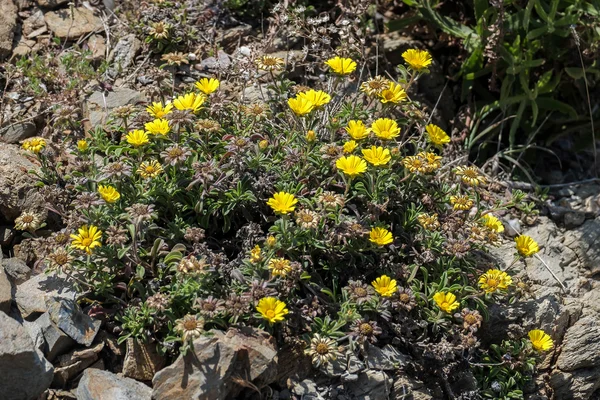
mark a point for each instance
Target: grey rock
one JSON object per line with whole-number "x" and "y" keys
{"x": 94, "y": 107}
{"x": 395, "y": 43}
{"x": 5, "y": 291}
{"x": 97, "y": 45}
{"x": 512, "y": 227}
{"x": 16, "y": 269}
{"x": 408, "y": 388}
{"x": 573, "y": 219}
{"x": 65, "y": 26}
{"x": 8, "y": 23}
{"x": 257, "y": 92}
{"x": 335, "y": 368}
{"x": 16, "y": 132}
{"x": 371, "y": 385}
{"x": 385, "y": 359}
{"x": 585, "y": 242}
{"x": 6, "y": 235}
{"x": 31, "y": 296}
{"x": 142, "y": 360}
{"x": 67, "y": 315}
{"x": 51, "y": 3}
{"x": 68, "y": 366}
{"x": 56, "y": 341}
{"x": 208, "y": 367}
{"x": 17, "y": 191}
{"x": 233, "y": 36}
{"x": 25, "y": 372}
{"x": 212, "y": 64}
{"x": 36, "y": 334}
{"x": 123, "y": 55}
{"x": 307, "y": 388}
{"x": 577, "y": 385}
{"x": 581, "y": 345}
{"x": 104, "y": 385}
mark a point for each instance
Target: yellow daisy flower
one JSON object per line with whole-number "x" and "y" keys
{"x": 341, "y": 66}
{"x": 317, "y": 97}
{"x": 271, "y": 241}
{"x": 150, "y": 169}
{"x": 357, "y": 130}
{"x": 279, "y": 266}
{"x": 385, "y": 128}
{"x": 270, "y": 63}
{"x": 138, "y": 137}
{"x": 207, "y": 86}
{"x": 494, "y": 280}
{"x": 470, "y": 175}
{"x": 157, "y": 110}
{"x": 380, "y": 236}
{"x": 540, "y": 340}
{"x": 35, "y": 145}
{"x": 271, "y": 309}
{"x": 158, "y": 127}
{"x": 417, "y": 59}
{"x": 109, "y": 193}
{"x": 301, "y": 105}
{"x": 393, "y": 94}
{"x": 256, "y": 254}
{"x": 351, "y": 165}
{"x": 349, "y": 146}
{"x": 190, "y": 101}
{"x": 374, "y": 86}
{"x": 493, "y": 223}
{"x": 446, "y": 301}
{"x": 437, "y": 136}
{"x": 377, "y": 155}
{"x": 87, "y": 238}
{"x": 82, "y": 145}
{"x": 526, "y": 246}
{"x": 282, "y": 202}
{"x": 385, "y": 286}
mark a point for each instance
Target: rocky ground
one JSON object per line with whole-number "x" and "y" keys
{"x": 50, "y": 348}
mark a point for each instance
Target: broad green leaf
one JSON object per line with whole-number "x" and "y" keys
{"x": 548, "y": 103}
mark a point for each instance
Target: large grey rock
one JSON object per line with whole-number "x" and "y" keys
{"x": 67, "y": 316}
{"x": 103, "y": 385}
{"x": 581, "y": 345}
{"x": 25, "y": 372}
{"x": 31, "y": 296}
{"x": 68, "y": 366}
{"x": 206, "y": 371}
{"x": 65, "y": 26}
{"x": 584, "y": 241}
{"x": 56, "y": 341}
{"x": 5, "y": 291}
{"x": 8, "y": 23}
{"x": 36, "y": 334}
{"x": 96, "y": 110}
{"x": 371, "y": 385}
{"x": 384, "y": 359}
{"x": 17, "y": 191}
{"x": 142, "y": 360}
{"x": 576, "y": 385}
{"x": 16, "y": 269}
{"x": 123, "y": 54}
{"x": 16, "y": 132}
{"x": 406, "y": 387}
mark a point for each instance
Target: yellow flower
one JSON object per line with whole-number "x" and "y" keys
{"x": 446, "y": 301}
{"x": 282, "y": 202}
{"x": 417, "y": 59}
{"x": 82, "y": 145}
{"x": 349, "y": 146}
{"x": 109, "y": 193}
{"x": 271, "y": 309}
{"x": 317, "y": 97}
{"x": 138, "y": 137}
{"x": 494, "y": 280}
{"x": 158, "y": 127}
{"x": 301, "y": 105}
{"x": 271, "y": 241}
{"x": 351, "y": 165}
{"x": 432, "y": 161}
{"x": 149, "y": 169}
{"x": 540, "y": 340}
{"x": 311, "y": 136}
{"x": 393, "y": 94}
{"x": 461, "y": 202}
{"x": 526, "y": 246}
{"x": 385, "y": 286}
{"x": 381, "y": 236}
{"x": 341, "y": 66}
{"x": 270, "y": 63}
{"x": 255, "y": 255}
{"x": 377, "y": 155}
{"x": 357, "y": 130}
{"x": 470, "y": 175}
{"x": 414, "y": 164}
{"x": 385, "y": 128}
{"x": 263, "y": 144}
{"x": 207, "y": 86}
{"x": 157, "y": 110}
{"x": 35, "y": 145}
{"x": 280, "y": 266}
{"x": 429, "y": 222}
{"x": 374, "y": 86}
{"x": 437, "y": 136}
{"x": 87, "y": 238}
{"x": 493, "y": 223}
{"x": 190, "y": 101}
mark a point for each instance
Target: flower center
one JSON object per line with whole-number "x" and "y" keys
{"x": 365, "y": 329}
{"x": 404, "y": 298}
{"x": 150, "y": 169}
{"x": 27, "y": 219}
{"x": 307, "y": 218}
{"x": 176, "y": 152}
{"x": 86, "y": 242}
{"x": 470, "y": 319}
{"x": 270, "y": 313}
{"x": 322, "y": 348}
{"x": 190, "y": 325}
{"x": 360, "y": 292}
{"x": 209, "y": 307}
{"x": 268, "y": 61}
{"x": 444, "y": 305}
{"x": 492, "y": 282}
{"x": 61, "y": 259}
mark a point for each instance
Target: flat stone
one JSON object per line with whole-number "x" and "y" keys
{"x": 97, "y": 45}
{"x": 581, "y": 345}
{"x": 56, "y": 341}
{"x": 8, "y": 23}
{"x": 142, "y": 360}
{"x": 211, "y": 64}
{"x": 95, "y": 108}
{"x": 17, "y": 132}
{"x": 25, "y": 373}
{"x": 371, "y": 385}
{"x": 16, "y": 270}
{"x": 103, "y": 385}
{"x": 67, "y": 315}
{"x": 36, "y": 334}
{"x": 5, "y": 291}
{"x": 51, "y": 3}
{"x": 83, "y": 22}
{"x": 123, "y": 54}
{"x": 6, "y": 235}
{"x": 31, "y": 295}
{"x": 68, "y": 366}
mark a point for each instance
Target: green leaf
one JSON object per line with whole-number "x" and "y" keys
{"x": 548, "y": 103}
{"x": 140, "y": 272}
{"x": 535, "y": 33}
{"x": 539, "y": 8}
{"x": 399, "y": 24}
{"x": 527, "y": 15}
